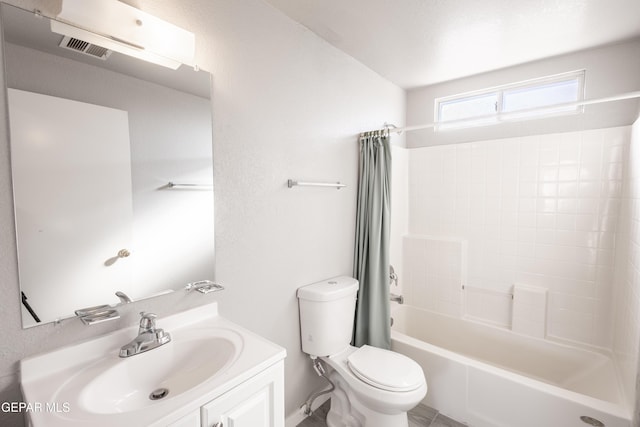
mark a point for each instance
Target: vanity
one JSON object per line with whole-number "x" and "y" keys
{"x": 213, "y": 373}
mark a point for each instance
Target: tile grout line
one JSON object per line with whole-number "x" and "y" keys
{"x": 433, "y": 420}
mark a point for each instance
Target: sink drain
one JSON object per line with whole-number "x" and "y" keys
{"x": 591, "y": 421}
{"x": 158, "y": 393}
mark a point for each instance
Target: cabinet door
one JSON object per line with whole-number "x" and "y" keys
{"x": 191, "y": 420}
{"x": 258, "y": 402}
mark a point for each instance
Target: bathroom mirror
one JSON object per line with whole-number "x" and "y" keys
{"x": 112, "y": 173}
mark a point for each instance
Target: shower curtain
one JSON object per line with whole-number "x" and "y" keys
{"x": 371, "y": 258}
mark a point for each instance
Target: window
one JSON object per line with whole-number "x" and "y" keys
{"x": 547, "y": 96}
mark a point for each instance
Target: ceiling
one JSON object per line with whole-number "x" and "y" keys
{"x": 416, "y": 43}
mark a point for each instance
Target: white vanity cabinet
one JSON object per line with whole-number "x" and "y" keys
{"x": 191, "y": 420}
{"x": 257, "y": 402}
{"x": 233, "y": 378}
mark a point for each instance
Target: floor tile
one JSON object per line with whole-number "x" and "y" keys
{"x": 318, "y": 417}
{"x": 443, "y": 421}
{"x": 313, "y": 421}
{"x": 420, "y": 416}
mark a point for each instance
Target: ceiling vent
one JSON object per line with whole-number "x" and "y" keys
{"x": 84, "y": 47}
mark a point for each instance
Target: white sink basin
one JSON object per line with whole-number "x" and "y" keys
{"x": 120, "y": 385}
{"x": 207, "y": 356}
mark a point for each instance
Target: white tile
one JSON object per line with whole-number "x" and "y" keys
{"x": 590, "y": 172}
{"x": 613, "y": 153}
{"x": 528, "y": 154}
{"x": 528, "y": 189}
{"x": 566, "y": 238}
{"x": 529, "y": 310}
{"x": 589, "y": 189}
{"x": 548, "y": 205}
{"x": 613, "y": 171}
{"x": 548, "y": 189}
{"x": 565, "y": 221}
{"x": 587, "y": 206}
{"x": 548, "y": 173}
{"x": 546, "y": 220}
{"x": 543, "y": 210}
{"x": 567, "y": 189}
{"x": 528, "y": 173}
{"x": 606, "y": 240}
{"x": 509, "y": 186}
{"x": 526, "y": 250}
{"x": 568, "y": 206}
{"x": 586, "y": 255}
{"x": 526, "y": 235}
{"x": 611, "y": 189}
{"x": 568, "y": 173}
{"x": 509, "y": 204}
{"x": 527, "y": 220}
{"x": 588, "y": 222}
{"x": 605, "y": 258}
{"x": 508, "y": 233}
{"x": 548, "y": 157}
{"x": 569, "y": 152}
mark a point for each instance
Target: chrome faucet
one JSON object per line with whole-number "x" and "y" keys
{"x": 397, "y": 298}
{"x": 148, "y": 337}
{"x": 124, "y": 298}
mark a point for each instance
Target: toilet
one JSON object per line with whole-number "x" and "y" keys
{"x": 373, "y": 387}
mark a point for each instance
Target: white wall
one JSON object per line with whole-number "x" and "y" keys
{"x": 286, "y": 105}
{"x": 610, "y": 70}
{"x": 539, "y": 210}
{"x": 627, "y": 273}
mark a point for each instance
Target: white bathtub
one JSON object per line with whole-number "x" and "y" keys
{"x": 490, "y": 377}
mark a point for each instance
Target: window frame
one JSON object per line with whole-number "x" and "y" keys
{"x": 499, "y": 115}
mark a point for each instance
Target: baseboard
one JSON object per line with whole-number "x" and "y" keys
{"x": 298, "y": 416}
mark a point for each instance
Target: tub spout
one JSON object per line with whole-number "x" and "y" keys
{"x": 397, "y": 298}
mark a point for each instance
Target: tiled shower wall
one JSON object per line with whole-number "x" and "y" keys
{"x": 434, "y": 271}
{"x": 627, "y": 271}
{"x": 539, "y": 210}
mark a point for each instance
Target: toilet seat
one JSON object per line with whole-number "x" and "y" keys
{"x": 385, "y": 369}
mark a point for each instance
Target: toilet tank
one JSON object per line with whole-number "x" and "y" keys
{"x": 327, "y": 310}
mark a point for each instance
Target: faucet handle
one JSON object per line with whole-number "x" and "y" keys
{"x": 393, "y": 277}
{"x": 147, "y": 321}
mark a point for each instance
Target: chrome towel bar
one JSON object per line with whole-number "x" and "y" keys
{"x": 186, "y": 186}
{"x": 292, "y": 183}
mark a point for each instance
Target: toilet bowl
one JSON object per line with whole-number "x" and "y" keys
{"x": 373, "y": 387}
{"x": 380, "y": 386}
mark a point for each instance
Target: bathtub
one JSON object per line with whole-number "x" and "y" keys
{"x": 490, "y": 377}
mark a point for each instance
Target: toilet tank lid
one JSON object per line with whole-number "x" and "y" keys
{"x": 330, "y": 289}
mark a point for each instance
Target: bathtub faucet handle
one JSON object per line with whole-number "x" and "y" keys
{"x": 393, "y": 277}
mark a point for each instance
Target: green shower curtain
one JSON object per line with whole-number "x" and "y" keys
{"x": 371, "y": 260}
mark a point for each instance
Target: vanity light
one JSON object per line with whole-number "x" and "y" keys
{"x": 125, "y": 29}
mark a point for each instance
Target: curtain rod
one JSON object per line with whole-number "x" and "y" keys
{"x": 629, "y": 95}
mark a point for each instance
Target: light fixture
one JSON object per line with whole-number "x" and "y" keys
{"x": 125, "y": 29}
